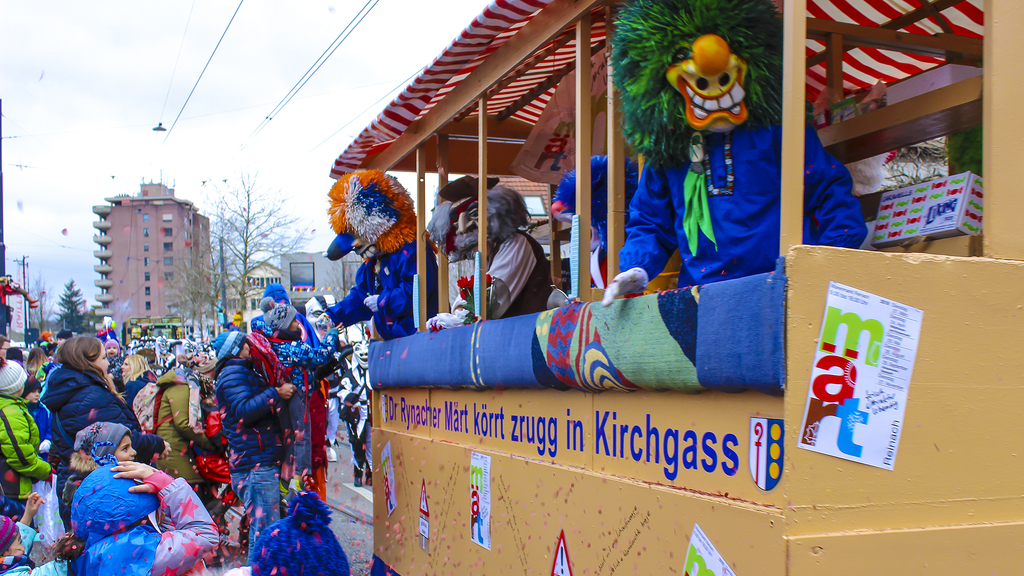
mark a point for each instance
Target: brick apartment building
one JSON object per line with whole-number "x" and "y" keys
{"x": 142, "y": 239}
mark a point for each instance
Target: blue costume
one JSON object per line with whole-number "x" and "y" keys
{"x": 745, "y": 223}
{"x": 393, "y": 284}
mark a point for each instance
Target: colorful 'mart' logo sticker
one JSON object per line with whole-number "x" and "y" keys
{"x": 766, "y": 451}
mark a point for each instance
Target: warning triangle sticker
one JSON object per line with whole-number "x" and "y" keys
{"x": 561, "y": 566}
{"x": 423, "y": 500}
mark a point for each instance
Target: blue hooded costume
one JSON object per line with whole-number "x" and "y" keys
{"x": 374, "y": 216}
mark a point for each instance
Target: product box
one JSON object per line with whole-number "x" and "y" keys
{"x": 950, "y": 206}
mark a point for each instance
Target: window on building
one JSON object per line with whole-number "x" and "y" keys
{"x": 147, "y": 291}
{"x": 168, "y": 261}
{"x": 145, "y": 261}
{"x": 145, "y": 232}
{"x": 254, "y": 305}
{"x": 145, "y": 247}
{"x": 168, "y": 217}
{"x": 168, "y": 232}
{"x": 146, "y": 277}
{"x": 168, "y": 246}
{"x": 145, "y": 217}
{"x": 149, "y": 306}
{"x": 535, "y": 205}
{"x": 168, "y": 275}
{"x": 302, "y": 275}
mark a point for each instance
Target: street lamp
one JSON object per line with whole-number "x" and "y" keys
{"x": 159, "y": 127}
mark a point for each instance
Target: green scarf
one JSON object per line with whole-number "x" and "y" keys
{"x": 697, "y": 217}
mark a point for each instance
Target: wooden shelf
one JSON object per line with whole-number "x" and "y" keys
{"x": 933, "y": 114}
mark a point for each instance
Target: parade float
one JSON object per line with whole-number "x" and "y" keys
{"x": 845, "y": 411}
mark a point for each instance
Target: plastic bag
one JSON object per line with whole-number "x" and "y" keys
{"x": 51, "y": 528}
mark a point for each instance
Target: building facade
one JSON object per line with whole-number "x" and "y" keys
{"x": 144, "y": 241}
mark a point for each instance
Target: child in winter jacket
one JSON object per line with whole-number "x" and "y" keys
{"x": 41, "y": 415}
{"x": 113, "y": 531}
{"x": 20, "y": 464}
{"x": 97, "y": 443}
{"x": 308, "y": 416}
{"x": 16, "y": 540}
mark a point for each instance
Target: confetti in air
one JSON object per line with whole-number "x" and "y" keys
{"x": 64, "y": 231}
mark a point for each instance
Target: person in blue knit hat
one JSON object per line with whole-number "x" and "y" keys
{"x": 302, "y": 543}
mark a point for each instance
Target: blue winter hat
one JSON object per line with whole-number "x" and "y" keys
{"x": 278, "y": 293}
{"x": 103, "y": 505}
{"x": 228, "y": 344}
{"x": 302, "y": 543}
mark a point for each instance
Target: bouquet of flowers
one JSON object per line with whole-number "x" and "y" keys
{"x": 466, "y": 293}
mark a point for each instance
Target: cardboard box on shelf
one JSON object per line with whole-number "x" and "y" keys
{"x": 949, "y": 206}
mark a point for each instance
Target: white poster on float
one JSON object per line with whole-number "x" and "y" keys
{"x": 860, "y": 378}
{"x": 480, "y": 499}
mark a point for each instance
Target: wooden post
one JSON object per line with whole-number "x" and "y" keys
{"x": 443, "y": 304}
{"x": 794, "y": 74}
{"x": 583, "y": 152}
{"x": 834, "y": 66}
{"x": 554, "y": 243}
{"x": 616, "y": 164}
{"x": 481, "y": 237}
{"x": 422, "y": 244}
{"x": 1002, "y": 118}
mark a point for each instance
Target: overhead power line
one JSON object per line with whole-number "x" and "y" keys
{"x": 401, "y": 84}
{"x": 177, "y": 58}
{"x": 327, "y": 53}
{"x": 171, "y": 129}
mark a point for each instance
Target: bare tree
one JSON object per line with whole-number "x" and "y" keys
{"x": 192, "y": 290}
{"x": 43, "y": 315}
{"x": 256, "y": 228}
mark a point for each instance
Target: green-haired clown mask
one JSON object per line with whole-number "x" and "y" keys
{"x": 710, "y": 77}
{"x": 695, "y": 65}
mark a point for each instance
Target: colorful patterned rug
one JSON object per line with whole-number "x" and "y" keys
{"x": 731, "y": 341}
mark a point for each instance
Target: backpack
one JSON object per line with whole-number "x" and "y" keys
{"x": 147, "y": 408}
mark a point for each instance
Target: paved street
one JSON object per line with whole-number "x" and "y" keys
{"x": 352, "y": 520}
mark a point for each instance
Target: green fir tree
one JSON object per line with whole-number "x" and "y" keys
{"x": 71, "y": 309}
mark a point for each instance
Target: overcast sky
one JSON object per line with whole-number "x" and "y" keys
{"x": 84, "y": 83}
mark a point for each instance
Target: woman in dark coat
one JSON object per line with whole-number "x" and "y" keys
{"x": 78, "y": 394}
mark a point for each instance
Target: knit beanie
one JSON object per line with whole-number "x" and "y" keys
{"x": 65, "y": 335}
{"x": 302, "y": 543}
{"x": 31, "y": 385}
{"x": 8, "y": 528}
{"x": 228, "y": 344}
{"x": 100, "y": 439}
{"x": 15, "y": 354}
{"x": 111, "y": 344}
{"x": 280, "y": 317}
{"x": 12, "y": 378}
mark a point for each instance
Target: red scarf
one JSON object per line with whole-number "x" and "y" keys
{"x": 267, "y": 364}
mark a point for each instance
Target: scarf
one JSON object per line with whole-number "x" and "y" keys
{"x": 266, "y": 361}
{"x": 8, "y": 563}
{"x": 697, "y": 217}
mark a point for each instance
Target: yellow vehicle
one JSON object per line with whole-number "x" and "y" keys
{"x": 485, "y": 466}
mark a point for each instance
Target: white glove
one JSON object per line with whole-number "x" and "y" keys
{"x": 629, "y": 282}
{"x": 371, "y": 302}
{"x": 445, "y": 320}
{"x": 44, "y": 447}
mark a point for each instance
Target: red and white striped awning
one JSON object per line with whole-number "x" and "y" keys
{"x": 502, "y": 19}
